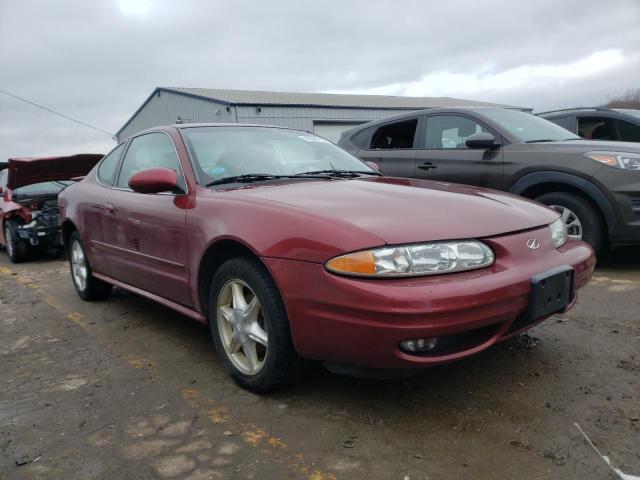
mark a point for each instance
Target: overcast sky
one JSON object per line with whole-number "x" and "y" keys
{"x": 98, "y": 60}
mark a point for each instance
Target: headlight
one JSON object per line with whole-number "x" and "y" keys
{"x": 626, "y": 161}
{"x": 558, "y": 232}
{"x": 413, "y": 260}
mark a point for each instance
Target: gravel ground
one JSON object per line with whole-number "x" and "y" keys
{"x": 127, "y": 389}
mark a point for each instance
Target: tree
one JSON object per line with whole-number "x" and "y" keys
{"x": 631, "y": 99}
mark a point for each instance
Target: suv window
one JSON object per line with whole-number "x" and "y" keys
{"x": 107, "y": 168}
{"x": 629, "y": 132}
{"x": 564, "y": 122}
{"x": 450, "y": 131}
{"x": 395, "y": 135}
{"x": 152, "y": 150}
{"x": 362, "y": 139}
{"x": 597, "y": 128}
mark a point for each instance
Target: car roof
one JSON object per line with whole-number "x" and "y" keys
{"x": 416, "y": 113}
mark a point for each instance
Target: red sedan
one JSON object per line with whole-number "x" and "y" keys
{"x": 291, "y": 249}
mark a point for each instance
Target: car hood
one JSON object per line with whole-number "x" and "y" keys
{"x": 27, "y": 171}
{"x": 582, "y": 146}
{"x": 401, "y": 210}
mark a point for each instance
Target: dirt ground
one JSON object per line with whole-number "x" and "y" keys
{"x": 126, "y": 389}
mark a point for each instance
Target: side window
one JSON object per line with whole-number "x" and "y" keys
{"x": 629, "y": 132}
{"x": 108, "y": 165}
{"x": 3, "y": 179}
{"x": 564, "y": 122}
{"x": 395, "y": 135}
{"x": 151, "y": 150}
{"x": 597, "y": 128}
{"x": 362, "y": 139}
{"x": 450, "y": 131}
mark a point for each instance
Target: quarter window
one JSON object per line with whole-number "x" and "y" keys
{"x": 450, "y": 131}
{"x": 107, "y": 168}
{"x": 395, "y": 135}
{"x": 152, "y": 150}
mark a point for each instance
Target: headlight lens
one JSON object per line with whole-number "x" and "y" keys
{"x": 624, "y": 160}
{"x": 413, "y": 260}
{"x": 558, "y": 232}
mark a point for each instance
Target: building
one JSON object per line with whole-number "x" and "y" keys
{"x": 325, "y": 114}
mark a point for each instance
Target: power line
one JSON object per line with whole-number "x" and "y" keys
{"x": 57, "y": 113}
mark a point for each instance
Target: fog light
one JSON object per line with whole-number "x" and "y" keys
{"x": 419, "y": 345}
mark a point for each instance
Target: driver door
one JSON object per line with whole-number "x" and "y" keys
{"x": 148, "y": 239}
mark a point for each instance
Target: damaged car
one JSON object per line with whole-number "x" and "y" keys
{"x": 292, "y": 249}
{"x": 29, "y": 189}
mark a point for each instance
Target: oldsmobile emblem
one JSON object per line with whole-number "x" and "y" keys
{"x": 533, "y": 243}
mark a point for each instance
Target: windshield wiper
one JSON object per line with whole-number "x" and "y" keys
{"x": 255, "y": 177}
{"x": 541, "y": 140}
{"x": 339, "y": 173}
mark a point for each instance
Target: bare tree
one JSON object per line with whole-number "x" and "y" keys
{"x": 631, "y": 99}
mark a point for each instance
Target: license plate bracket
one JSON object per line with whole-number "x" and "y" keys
{"x": 551, "y": 292}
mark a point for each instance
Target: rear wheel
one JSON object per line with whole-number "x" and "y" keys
{"x": 250, "y": 329}
{"x": 582, "y": 220}
{"x": 17, "y": 248}
{"x": 88, "y": 287}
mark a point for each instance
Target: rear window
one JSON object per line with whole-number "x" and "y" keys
{"x": 395, "y": 135}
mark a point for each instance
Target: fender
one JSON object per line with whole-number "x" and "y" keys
{"x": 549, "y": 176}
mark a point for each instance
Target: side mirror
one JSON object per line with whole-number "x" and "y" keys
{"x": 154, "y": 180}
{"x": 374, "y": 166}
{"x": 482, "y": 140}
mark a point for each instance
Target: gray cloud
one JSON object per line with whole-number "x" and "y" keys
{"x": 91, "y": 61}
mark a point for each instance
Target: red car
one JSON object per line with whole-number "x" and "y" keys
{"x": 29, "y": 189}
{"x": 292, "y": 249}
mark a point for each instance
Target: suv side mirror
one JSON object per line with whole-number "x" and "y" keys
{"x": 482, "y": 140}
{"x": 154, "y": 180}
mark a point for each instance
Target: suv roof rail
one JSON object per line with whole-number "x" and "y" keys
{"x": 577, "y": 109}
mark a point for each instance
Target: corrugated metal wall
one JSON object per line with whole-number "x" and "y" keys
{"x": 164, "y": 109}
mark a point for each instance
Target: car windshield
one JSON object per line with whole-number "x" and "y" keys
{"x": 222, "y": 152}
{"x": 528, "y": 128}
{"x": 42, "y": 188}
{"x": 633, "y": 113}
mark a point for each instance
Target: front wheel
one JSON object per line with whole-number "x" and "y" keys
{"x": 17, "y": 248}
{"x": 88, "y": 287}
{"x": 249, "y": 326}
{"x": 580, "y": 217}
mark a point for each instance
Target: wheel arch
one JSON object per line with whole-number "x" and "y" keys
{"x": 213, "y": 257}
{"x": 535, "y": 184}
{"x": 66, "y": 229}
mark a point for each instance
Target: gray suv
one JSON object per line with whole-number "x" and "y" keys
{"x": 594, "y": 184}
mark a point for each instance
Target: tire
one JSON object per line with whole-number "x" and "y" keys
{"x": 575, "y": 207}
{"x": 275, "y": 364}
{"x": 17, "y": 248}
{"x": 91, "y": 288}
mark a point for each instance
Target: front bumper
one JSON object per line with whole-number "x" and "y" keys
{"x": 361, "y": 322}
{"x": 39, "y": 235}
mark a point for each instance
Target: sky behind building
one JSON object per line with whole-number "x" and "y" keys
{"x": 97, "y": 61}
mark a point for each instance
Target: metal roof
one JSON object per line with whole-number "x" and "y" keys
{"x": 337, "y": 100}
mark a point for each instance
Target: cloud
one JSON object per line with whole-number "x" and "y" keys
{"x": 97, "y": 61}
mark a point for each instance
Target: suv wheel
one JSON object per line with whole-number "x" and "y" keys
{"x": 249, "y": 326}
{"x": 582, "y": 221}
{"x": 17, "y": 248}
{"x": 88, "y": 287}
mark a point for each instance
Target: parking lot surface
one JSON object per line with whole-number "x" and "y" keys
{"x": 128, "y": 389}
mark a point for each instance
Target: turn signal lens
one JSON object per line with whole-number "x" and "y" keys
{"x": 414, "y": 260}
{"x": 353, "y": 264}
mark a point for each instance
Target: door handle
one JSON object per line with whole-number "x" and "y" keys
{"x": 427, "y": 166}
{"x": 109, "y": 208}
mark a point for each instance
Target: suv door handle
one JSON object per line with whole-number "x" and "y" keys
{"x": 427, "y": 166}
{"x": 109, "y": 208}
